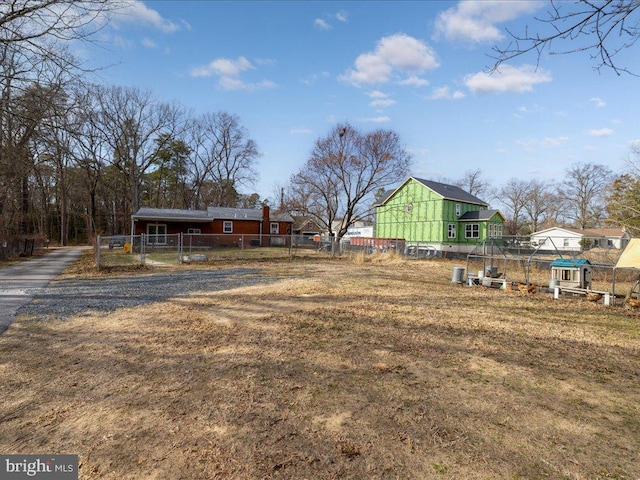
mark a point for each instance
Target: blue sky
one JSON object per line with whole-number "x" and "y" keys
{"x": 291, "y": 70}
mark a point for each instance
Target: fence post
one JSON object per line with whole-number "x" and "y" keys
{"x": 98, "y": 252}
{"x": 142, "y": 252}
{"x": 180, "y": 242}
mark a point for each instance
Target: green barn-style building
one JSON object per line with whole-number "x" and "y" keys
{"x": 431, "y": 214}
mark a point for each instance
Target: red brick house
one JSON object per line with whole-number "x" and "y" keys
{"x": 232, "y": 223}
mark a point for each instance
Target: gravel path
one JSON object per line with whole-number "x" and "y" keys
{"x": 64, "y": 298}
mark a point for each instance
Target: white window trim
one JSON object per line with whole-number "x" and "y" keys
{"x": 451, "y": 230}
{"x": 227, "y": 226}
{"x": 458, "y": 209}
{"x": 272, "y": 230}
{"x": 469, "y": 230}
{"x": 495, "y": 230}
{"x": 156, "y": 237}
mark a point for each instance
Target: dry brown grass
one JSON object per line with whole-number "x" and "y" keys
{"x": 367, "y": 368}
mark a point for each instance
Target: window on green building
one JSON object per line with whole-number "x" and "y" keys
{"x": 472, "y": 230}
{"x": 495, "y": 230}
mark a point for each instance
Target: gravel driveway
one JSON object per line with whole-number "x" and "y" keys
{"x": 64, "y": 298}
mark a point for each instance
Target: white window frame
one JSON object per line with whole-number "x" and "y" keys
{"x": 274, "y": 228}
{"x": 156, "y": 238}
{"x": 495, "y": 230}
{"x": 451, "y": 230}
{"x": 458, "y": 209}
{"x": 227, "y": 226}
{"x": 472, "y": 230}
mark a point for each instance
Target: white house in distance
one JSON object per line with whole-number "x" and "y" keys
{"x": 573, "y": 239}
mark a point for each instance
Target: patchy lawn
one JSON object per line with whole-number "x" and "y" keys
{"x": 340, "y": 369}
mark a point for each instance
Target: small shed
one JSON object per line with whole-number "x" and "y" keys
{"x": 571, "y": 272}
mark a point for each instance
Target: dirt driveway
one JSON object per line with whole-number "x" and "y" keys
{"x": 20, "y": 281}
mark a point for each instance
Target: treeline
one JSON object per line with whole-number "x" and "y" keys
{"x": 77, "y": 160}
{"x": 589, "y": 195}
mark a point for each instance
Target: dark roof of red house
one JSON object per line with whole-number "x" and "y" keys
{"x": 174, "y": 214}
{"x": 208, "y": 215}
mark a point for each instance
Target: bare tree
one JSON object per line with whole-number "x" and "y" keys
{"x": 24, "y": 108}
{"x": 344, "y": 171}
{"x": 223, "y": 158}
{"x": 513, "y": 195}
{"x": 133, "y": 122}
{"x": 28, "y": 21}
{"x": 583, "y": 193}
{"x": 91, "y": 154}
{"x": 539, "y": 200}
{"x": 34, "y": 63}
{"x": 473, "y": 183}
{"x": 602, "y": 28}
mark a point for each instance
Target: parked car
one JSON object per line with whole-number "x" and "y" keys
{"x": 117, "y": 241}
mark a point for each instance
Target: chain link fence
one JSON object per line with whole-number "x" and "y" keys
{"x": 520, "y": 260}
{"x": 173, "y": 249}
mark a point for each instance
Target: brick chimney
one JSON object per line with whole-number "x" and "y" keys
{"x": 266, "y": 229}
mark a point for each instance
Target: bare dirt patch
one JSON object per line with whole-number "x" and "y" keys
{"x": 337, "y": 369}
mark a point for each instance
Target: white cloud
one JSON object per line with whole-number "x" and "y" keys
{"x": 314, "y": 77}
{"x": 598, "y": 102}
{"x": 380, "y": 119}
{"x": 383, "y": 103}
{"x": 224, "y": 67}
{"x": 342, "y": 16}
{"x": 321, "y": 24}
{"x": 414, "y": 81}
{"x": 147, "y": 42}
{"x": 380, "y": 99}
{"x": 228, "y": 72}
{"x": 267, "y": 62}
{"x": 324, "y": 25}
{"x": 602, "y": 132}
{"x": 300, "y": 131}
{"x": 135, "y": 11}
{"x": 444, "y": 93}
{"x": 507, "y": 79}
{"x": 547, "y": 142}
{"x": 471, "y": 20}
{"x": 397, "y": 53}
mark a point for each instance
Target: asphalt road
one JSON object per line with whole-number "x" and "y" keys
{"x": 20, "y": 281}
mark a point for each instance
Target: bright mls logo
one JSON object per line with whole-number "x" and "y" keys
{"x": 49, "y": 467}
